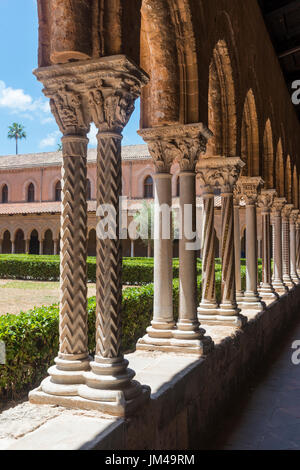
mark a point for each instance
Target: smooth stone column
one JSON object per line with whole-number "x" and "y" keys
{"x": 265, "y": 202}
{"x": 132, "y": 248}
{"x": 27, "y": 246}
{"x": 237, "y": 248}
{"x": 298, "y": 246}
{"x": 183, "y": 143}
{"x": 250, "y": 187}
{"x": 286, "y": 253}
{"x": 13, "y": 247}
{"x": 293, "y": 221}
{"x": 56, "y": 242}
{"x": 277, "y": 280}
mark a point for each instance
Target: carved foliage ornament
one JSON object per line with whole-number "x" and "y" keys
{"x": 250, "y": 188}
{"x": 181, "y": 143}
{"x": 66, "y": 106}
{"x": 266, "y": 198}
{"x": 219, "y": 172}
{"x": 286, "y": 211}
{"x": 278, "y": 204}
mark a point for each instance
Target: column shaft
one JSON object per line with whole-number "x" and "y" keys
{"x": 278, "y": 283}
{"x": 251, "y": 297}
{"x": 208, "y": 306}
{"x": 293, "y": 265}
{"x": 237, "y": 252}
{"x": 266, "y": 289}
{"x": 286, "y": 266}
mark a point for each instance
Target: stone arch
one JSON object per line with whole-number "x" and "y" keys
{"x": 91, "y": 250}
{"x": 48, "y": 244}
{"x": 250, "y": 137}
{"x": 6, "y": 242}
{"x": 288, "y": 180}
{"x": 34, "y": 242}
{"x": 279, "y": 173}
{"x": 295, "y": 188}
{"x": 222, "y": 120}
{"x": 268, "y": 156}
{"x": 19, "y": 241}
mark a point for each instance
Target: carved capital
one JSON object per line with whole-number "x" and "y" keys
{"x": 278, "y": 205}
{"x": 250, "y": 188}
{"x": 219, "y": 172}
{"x": 266, "y": 199}
{"x": 102, "y": 90}
{"x": 294, "y": 216}
{"x": 181, "y": 143}
{"x": 286, "y": 211}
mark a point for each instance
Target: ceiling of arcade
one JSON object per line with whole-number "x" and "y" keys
{"x": 208, "y": 61}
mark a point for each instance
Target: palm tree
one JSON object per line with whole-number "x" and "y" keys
{"x": 16, "y": 131}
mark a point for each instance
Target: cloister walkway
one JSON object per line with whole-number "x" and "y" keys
{"x": 268, "y": 415}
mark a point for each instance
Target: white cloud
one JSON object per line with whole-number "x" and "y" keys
{"x": 17, "y": 100}
{"x": 50, "y": 140}
{"x": 92, "y": 135}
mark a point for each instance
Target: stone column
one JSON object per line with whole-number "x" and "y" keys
{"x": 250, "y": 188}
{"x": 109, "y": 385}
{"x": 65, "y": 86}
{"x": 224, "y": 173}
{"x": 208, "y": 308}
{"x": 13, "y": 247}
{"x": 293, "y": 221}
{"x": 286, "y": 253}
{"x": 132, "y": 248}
{"x": 166, "y": 144}
{"x": 56, "y": 250}
{"x": 190, "y": 144}
{"x": 237, "y": 245}
{"x": 265, "y": 202}
{"x": 27, "y": 246}
{"x": 298, "y": 246}
{"x": 277, "y": 280}
{"x": 41, "y": 250}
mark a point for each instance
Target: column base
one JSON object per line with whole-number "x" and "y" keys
{"x": 279, "y": 287}
{"x": 206, "y": 310}
{"x": 267, "y": 292}
{"x": 66, "y": 376}
{"x": 200, "y": 347}
{"x": 252, "y": 301}
{"x": 288, "y": 282}
{"x": 295, "y": 278}
{"x": 237, "y": 321}
{"x": 239, "y": 296}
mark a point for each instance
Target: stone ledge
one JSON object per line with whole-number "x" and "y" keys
{"x": 188, "y": 394}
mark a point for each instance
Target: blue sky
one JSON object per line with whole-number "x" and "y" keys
{"x": 21, "y": 98}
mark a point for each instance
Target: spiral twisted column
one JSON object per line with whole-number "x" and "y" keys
{"x": 237, "y": 246}
{"x": 223, "y": 173}
{"x": 208, "y": 307}
{"x": 250, "y": 188}
{"x": 265, "y": 201}
{"x": 286, "y": 252}
{"x": 298, "y": 246}
{"x": 293, "y": 248}
{"x": 276, "y": 221}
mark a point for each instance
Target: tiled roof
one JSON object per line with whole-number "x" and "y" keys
{"x": 36, "y": 208}
{"x": 33, "y": 160}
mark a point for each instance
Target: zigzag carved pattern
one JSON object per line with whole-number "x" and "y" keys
{"x": 228, "y": 276}
{"x": 73, "y": 273}
{"x": 286, "y": 248}
{"x": 108, "y": 251}
{"x": 208, "y": 275}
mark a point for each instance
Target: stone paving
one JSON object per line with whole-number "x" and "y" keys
{"x": 268, "y": 417}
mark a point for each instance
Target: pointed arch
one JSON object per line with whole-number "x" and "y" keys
{"x": 222, "y": 119}
{"x": 250, "y": 137}
{"x": 295, "y": 188}
{"x": 288, "y": 181}
{"x": 268, "y": 156}
{"x": 279, "y": 173}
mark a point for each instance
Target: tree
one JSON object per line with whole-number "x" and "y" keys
{"x": 16, "y": 131}
{"x": 59, "y": 147}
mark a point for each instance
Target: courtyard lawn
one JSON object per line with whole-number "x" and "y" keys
{"x": 16, "y": 295}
